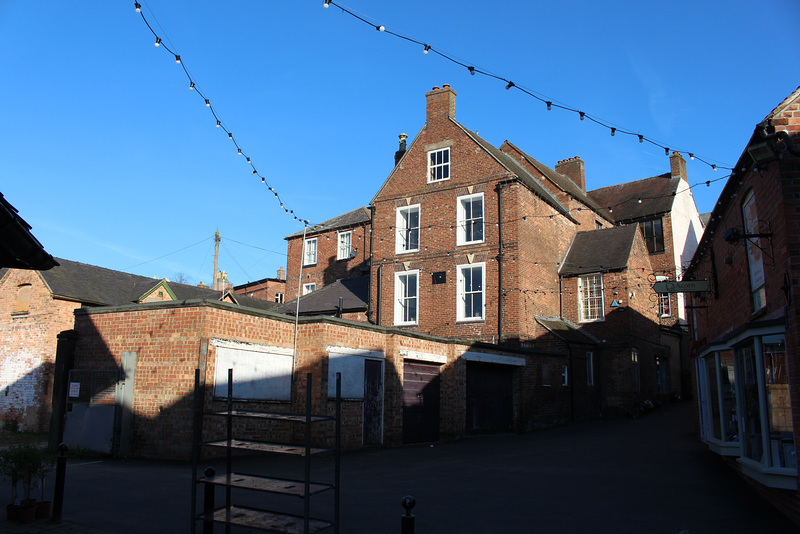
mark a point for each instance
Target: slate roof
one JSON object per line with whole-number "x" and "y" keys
{"x": 657, "y": 194}
{"x": 515, "y": 168}
{"x": 563, "y": 182}
{"x": 99, "y": 286}
{"x": 354, "y": 293}
{"x": 566, "y": 330}
{"x": 18, "y": 248}
{"x": 351, "y": 218}
{"x": 607, "y": 249}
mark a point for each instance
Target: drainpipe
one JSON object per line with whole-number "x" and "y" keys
{"x": 371, "y": 234}
{"x": 378, "y": 307}
{"x": 500, "y": 258}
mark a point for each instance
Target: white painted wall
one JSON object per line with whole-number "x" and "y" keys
{"x": 260, "y": 372}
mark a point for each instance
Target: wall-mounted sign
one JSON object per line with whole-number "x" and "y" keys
{"x": 684, "y": 286}
{"x": 74, "y": 389}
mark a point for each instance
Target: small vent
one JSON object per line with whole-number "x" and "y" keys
{"x": 439, "y": 278}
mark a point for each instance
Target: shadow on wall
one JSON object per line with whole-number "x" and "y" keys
{"x": 23, "y": 395}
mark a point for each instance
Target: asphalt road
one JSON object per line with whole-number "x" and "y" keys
{"x": 646, "y": 475}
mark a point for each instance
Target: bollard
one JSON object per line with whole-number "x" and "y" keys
{"x": 58, "y": 491}
{"x": 407, "y": 521}
{"x": 208, "y": 502}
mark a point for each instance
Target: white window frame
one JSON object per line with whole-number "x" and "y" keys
{"x": 584, "y": 300}
{"x": 463, "y": 294}
{"x": 310, "y": 253}
{"x": 755, "y": 258}
{"x": 345, "y": 244}
{"x": 664, "y": 302}
{"x": 403, "y": 298}
{"x": 279, "y": 298}
{"x": 439, "y": 164}
{"x": 309, "y": 288}
{"x": 404, "y": 242}
{"x": 464, "y": 222}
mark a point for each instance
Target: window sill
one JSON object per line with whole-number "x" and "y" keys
{"x": 20, "y": 314}
{"x": 592, "y": 320}
{"x": 309, "y": 265}
{"x": 468, "y": 243}
{"x": 773, "y": 477}
{"x": 468, "y": 320}
{"x": 406, "y": 251}
{"x": 724, "y": 448}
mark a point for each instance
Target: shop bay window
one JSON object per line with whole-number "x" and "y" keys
{"x": 745, "y": 408}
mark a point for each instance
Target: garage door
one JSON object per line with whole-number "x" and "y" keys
{"x": 420, "y": 402}
{"x": 489, "y": 398}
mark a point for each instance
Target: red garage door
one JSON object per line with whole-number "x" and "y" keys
{"x": 420, "y": 402}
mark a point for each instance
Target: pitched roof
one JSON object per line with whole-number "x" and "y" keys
{"x": 351, "y": 218}
{"x": 99, "y": 286}
{"x": 565, "y": 330}
{"x": 515, "y": 168}
{"x": 354, "y": 293}
{"x": 562, "y": 182}
{"x": 606, "y": 249}
{"x": 18, "y": 248}
{"x": 657, "y": 195}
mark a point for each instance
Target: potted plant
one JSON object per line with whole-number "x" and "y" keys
{"x": 22, "y": 464}
{"x": 46, "y": 463}
{"x": 9, "y": 470}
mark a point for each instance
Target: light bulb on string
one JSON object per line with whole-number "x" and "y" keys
{"x": 208, "y": 104}
{"x": 191, "y": 86}
{"x": 691, "y": 156}
{"x": 510, "y": 85}
{"x": 425, "y": 50}
{"x": 714, "y": 168}
{"x": 549, "y": 105}
{"x": 158, "y": 42}
{"x": 471, "y": 71}
{"x": 218, "y": 123}
{"x": 380, "y": 28}
{"x": 327, "y": 4}
{"x": 641, "y": 139}
{"x": 138, "y": 7}
{"x": 613, "y": 132}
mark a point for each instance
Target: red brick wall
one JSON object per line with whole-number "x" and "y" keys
{"x": 28, "y": 349}
{"x": 168, "y": 339}
{"x": 328, "y": 269}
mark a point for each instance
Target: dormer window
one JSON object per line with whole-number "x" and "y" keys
{"x": 439, "y": 165}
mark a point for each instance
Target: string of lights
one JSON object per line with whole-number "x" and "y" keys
{"x": 159, "y": 43}
{"x": 550, "y": 104}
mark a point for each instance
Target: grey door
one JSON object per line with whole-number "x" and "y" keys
{"x": 373, "y": 402}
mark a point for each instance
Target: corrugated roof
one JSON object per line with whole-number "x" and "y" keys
{"x": 352, "y": 218}
{"x": 657, "y": 195}
{"x": 354, "y": 293}
{"x": 607, "y": 249}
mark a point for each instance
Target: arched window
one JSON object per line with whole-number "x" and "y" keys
{"x": 23, "y": 299}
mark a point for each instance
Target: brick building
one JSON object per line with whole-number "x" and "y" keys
{"x": 37, "y": 306}
{"x": 468, "y": 241}
{"x": 744, "y": 330}
{"x": 271, "y": 289}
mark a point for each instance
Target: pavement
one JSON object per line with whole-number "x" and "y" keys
{"x": 646, "y": 475}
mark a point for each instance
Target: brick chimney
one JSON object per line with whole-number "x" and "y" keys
{"x": 677, "y": 166}
{"x": 402, "y": 149}
{"x": 573, "y": 169}
{"x": 441, "y": 103}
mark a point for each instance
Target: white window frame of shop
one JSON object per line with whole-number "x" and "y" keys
{"x": 309, "y": 288}
{"x": 345, "y": 240}
{"x": 310, "y": 251}
{"x": 406, "y": 232}
{"x": 403, "y": 298}
{"x": 751, "y": 377}
{"x": 470, "y": 293}
{"x": 468, "y": 223}
{"x": 439, "y": 165}
{"x": 591, "y": 304}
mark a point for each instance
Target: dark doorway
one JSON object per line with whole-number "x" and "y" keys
{"x": 489, "y": 398}
{"x": 420, "y": 402}
{"x": 373, "y": 402}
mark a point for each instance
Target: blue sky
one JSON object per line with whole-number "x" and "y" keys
{"x": 111, "y": 158}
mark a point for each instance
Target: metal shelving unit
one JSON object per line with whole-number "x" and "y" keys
{"x": 231, "y": 514}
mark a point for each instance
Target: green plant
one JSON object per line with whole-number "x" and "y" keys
{"x": 24, "y": 464}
